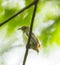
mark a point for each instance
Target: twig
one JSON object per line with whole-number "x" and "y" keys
{"x": 31, "y": 26}
{"x": 8, "y": 20}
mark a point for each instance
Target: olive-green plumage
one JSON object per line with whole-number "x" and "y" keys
{"x": 34, "y": 43}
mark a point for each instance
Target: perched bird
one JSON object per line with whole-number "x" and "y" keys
{"x": 34, "y": 43}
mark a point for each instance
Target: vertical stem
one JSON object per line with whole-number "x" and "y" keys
{"x": 31, "y": 26}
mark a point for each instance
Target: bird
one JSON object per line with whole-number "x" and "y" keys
{"x": 34, "y": 43}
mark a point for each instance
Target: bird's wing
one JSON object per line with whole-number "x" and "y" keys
{"x": 34, "y": 40}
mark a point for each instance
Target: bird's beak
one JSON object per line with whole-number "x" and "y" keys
{"x": 19, "y": 28}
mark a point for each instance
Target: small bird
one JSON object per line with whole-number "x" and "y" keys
{"x": 34, "y": 43}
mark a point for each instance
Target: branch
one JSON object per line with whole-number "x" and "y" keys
{"x": 19, "y": 12}
{"x": 31, "y": 26}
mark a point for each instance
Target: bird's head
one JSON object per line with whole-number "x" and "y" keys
{"x": 24, "y": 28}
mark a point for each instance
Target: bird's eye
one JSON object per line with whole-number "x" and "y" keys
{"x": 23, "y": 27}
